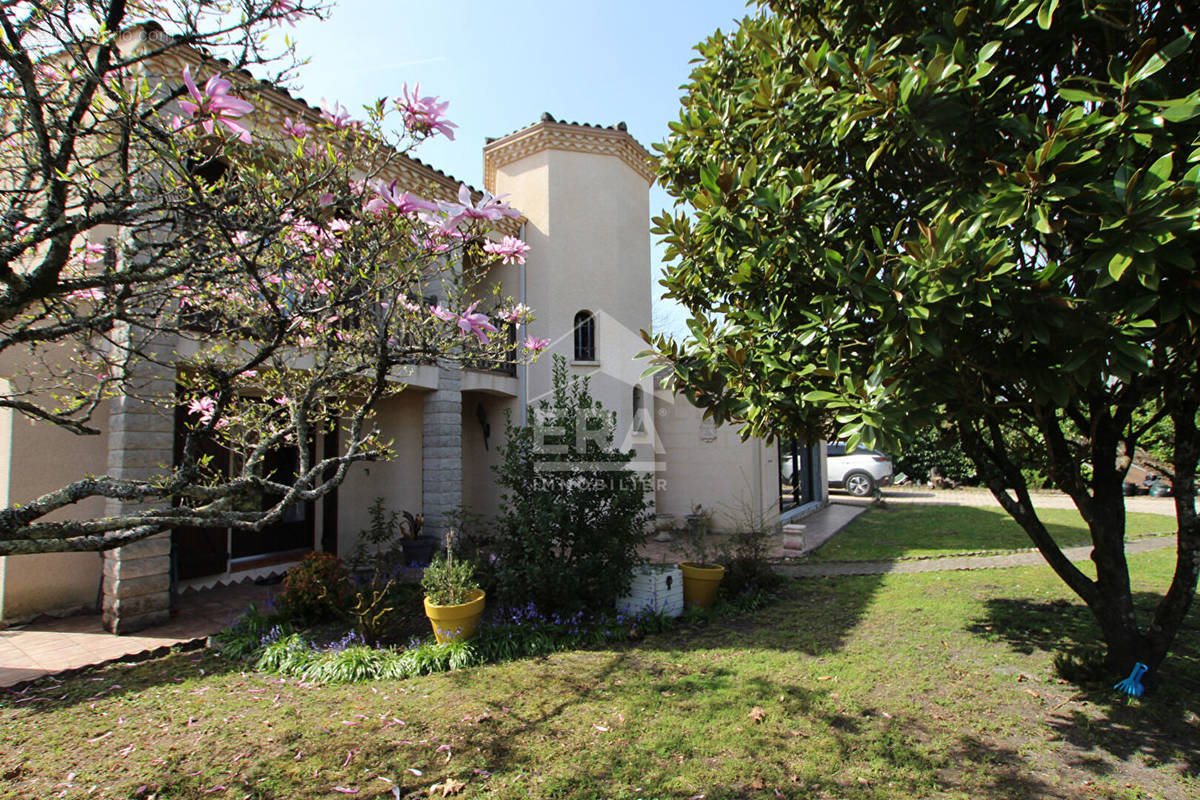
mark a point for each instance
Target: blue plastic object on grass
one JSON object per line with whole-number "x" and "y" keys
{"x": 1133, "y": 684}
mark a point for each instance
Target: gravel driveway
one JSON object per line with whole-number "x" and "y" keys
{"x": 923, "y": 495}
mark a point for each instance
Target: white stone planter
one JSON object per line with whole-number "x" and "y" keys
{"x": 654, "y": 588}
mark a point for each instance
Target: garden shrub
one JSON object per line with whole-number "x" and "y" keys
{"x": 567, "y": 535}
{"x": 378, "y": 547}
{"x": 747, "y": 566}
{"x": 318, "y": 588}
{"x": 933, "y": 447}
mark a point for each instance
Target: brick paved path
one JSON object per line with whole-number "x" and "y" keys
{"x": 948, "y": 563}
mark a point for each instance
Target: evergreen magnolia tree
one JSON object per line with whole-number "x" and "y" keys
{"x": 169, "y": 238}
{"x": 893, "y": 210}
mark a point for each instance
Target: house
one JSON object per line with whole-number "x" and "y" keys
{"x": 584, "y": 193}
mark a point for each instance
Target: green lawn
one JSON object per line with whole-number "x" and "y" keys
{"x": 902, "y": 686}
{"x": 898, "y": 531}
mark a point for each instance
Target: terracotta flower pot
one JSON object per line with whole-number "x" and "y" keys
{"x": 700, "y": 582}
{"x": 457, "y": 622}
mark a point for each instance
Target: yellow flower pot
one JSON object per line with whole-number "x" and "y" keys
{"x": 700, "y": 582}
{"x": 457, "y": 622}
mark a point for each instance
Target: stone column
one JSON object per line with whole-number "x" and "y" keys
{"x": 136, "y": 579}
{"x": 441, "y": 457}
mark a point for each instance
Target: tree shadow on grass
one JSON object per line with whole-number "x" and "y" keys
{"x": 167, "y": 667}
{"x": 1161, "y": 727}
{"x": 803, "y": 743}
{"x": 814, "y": 616}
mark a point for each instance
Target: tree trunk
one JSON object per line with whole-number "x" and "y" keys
{"x": 1110, "y": 595}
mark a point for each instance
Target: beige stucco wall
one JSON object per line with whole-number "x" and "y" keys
{"x": 398, "y": 481}
{"x": 481, "y": 493}
{"x": 588, "y": 230}
{"x": 36, "y": 458}
{"x": 711, "y": 465}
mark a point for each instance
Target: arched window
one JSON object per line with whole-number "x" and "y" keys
{"x": 639, "y": 424}
{"x": 585, "y": 336}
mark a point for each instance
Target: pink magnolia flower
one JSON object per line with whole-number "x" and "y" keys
{"x": 215, "y": 105}
{"x": 430, "y": 243}
{"x": 93, "y": 253}
{"x": 423, "y": 115}
{"x": 285, "y": 10}
{"x": 516, "y": 314}
{"x": 536, "y": 345}
{"x": 204, "y": 408}
{"x": 325, "y": 199}
{"x": 389, "y": 195}
{"x": 296, "y": 129}
{"x": 471, "y": 321}
{"x": 322, "y": 286}
{"x": 445, "y": 315}
{"x": 87, "y": 294}
{"x": 376, "y": 205}
{"x": 489, "y": 207}
{"x": 186, "y": 295}
{"x": 510, "y": 249}
{"x": 337, "y": 116}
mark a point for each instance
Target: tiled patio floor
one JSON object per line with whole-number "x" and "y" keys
{"x": 48, "y": 647}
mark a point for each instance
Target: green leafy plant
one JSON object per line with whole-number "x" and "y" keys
{"x": 935, "y": 447}
{"x": 248, "y": 633}
{"x": 449, "y": 580}
{"x": 379, "y": 547}
{"x": 696, "y": 541}
{"x": 748, "y": 568}
{"x": 317, "y": 588}
{"x": 572, "y": 512}
{"x": 379, "y": 539}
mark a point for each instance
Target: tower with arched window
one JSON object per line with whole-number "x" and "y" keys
{"x": 584, "y": 191}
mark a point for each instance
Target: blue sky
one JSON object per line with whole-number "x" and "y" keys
{"x": 502, "y": 64}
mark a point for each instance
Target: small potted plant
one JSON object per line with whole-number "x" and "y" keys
{"x": 418, "y": 548}
{"x": 453, "y": 599}
{"x": 389, "y": 542}
{"x": 701, "y": 574}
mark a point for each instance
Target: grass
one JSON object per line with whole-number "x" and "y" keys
{"x": 900, "y": 531}
{"x": 900, "y": 686}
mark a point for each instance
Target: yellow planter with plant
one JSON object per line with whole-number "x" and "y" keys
{"x": 453, "y": 599}
{"x": 701, "y": 574}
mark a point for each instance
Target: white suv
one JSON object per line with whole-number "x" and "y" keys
{"x": 859, "y": 472}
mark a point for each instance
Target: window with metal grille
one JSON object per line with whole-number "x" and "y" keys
{"x": 585, "y": 336}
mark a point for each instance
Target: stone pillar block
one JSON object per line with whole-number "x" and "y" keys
{"x": 793, "y": 539}
{"x": 136, "y": 585}
{"x": 441, "y": 457}
{"x": 136, "y": 578}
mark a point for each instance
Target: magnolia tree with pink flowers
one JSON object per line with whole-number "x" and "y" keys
{"x": 164, "y": 224}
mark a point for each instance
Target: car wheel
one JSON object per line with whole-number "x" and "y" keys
{"x": 859, "y": 484}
